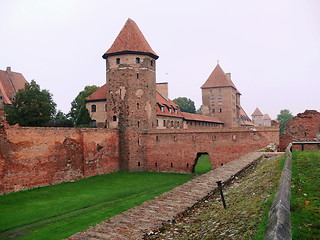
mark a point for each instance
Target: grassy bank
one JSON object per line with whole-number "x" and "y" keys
{"x": 247, "y": 197}
{"x": 305, "y": 195}
{"x": 62, "y": 210}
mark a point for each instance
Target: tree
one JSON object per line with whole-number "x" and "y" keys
{"x": 185, "y": 104}
{"x": 60, "y": 120}
{"x": 31, "y": 106}
{"x": 284, "y": 116}
{"x": 79, "y": 113}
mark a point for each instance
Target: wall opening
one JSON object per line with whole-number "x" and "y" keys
{"x": 202, "y": 163}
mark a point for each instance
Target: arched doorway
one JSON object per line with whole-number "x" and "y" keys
{"x": 202, "y": 163}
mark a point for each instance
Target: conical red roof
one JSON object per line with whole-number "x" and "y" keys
{"x": 257, "y": 112}
{"x": 218, "y": 79}
{"x": 130, "y": 40}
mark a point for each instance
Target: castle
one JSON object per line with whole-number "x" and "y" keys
{"x": 141, "y": 129}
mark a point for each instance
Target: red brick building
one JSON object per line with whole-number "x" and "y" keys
{"x": 10, "y": 83}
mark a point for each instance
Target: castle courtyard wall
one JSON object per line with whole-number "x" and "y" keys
{"x": 33, "y": 157}
{"x": 177, "y": 151}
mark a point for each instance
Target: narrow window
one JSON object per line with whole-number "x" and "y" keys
{"x": 118, "y": 60}
{"x": 172, "y": 124}
{"x": 178, "y": 124}
{"x": 176, "y": 111}
{"x": 170, "y": 110}
{"x": 137, "y": 60}
{"x": 138, "y": 105}
{"x": 220, "y": 110}
{"x": 137, "y": 75}
{"x": 157, "y": 123}
{"x": 212, "y": 96}
{"x": 157, "y": 138}
{"x": 114, "y": 118}
{"x": 174, "y": 138}
{"x": 138, "y": 124}
{"x": 139, "y": 141}
{"x": 162, "y": 109}
{"x": 139, "y": 164}
{"x": 171, "y": 165}
{"x": 106, "y": 107}
{"x": 156, "y": 164}
{"x": 164, "y": 123}
{"x": 187, "y": 165}
{"x": 152, "y": 63}
{"x": 93, "y": 108}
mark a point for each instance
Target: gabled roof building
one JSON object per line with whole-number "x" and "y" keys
{"x": 10, "y": 83}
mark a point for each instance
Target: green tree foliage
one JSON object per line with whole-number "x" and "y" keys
{"x": 284, "y": 116}
{"x": 79, "y": 113}
{"x": 185, "y": 104}
{"x": 31, "y": 107}
{"x": 60, "y": 120}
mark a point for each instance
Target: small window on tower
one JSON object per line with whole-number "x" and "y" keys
{"x": 105, "y": 107}
{"x": 152, "y": 63}
{"x": 114, "y": 118}
{"x": 220, "y": 110}
{"x": 219, "y": 96}
{"x": 219, "y": 103}
{"x": 93, "y": 108}
{"x": 137, "y": 60}
{"x": 118, "y": 60}
{"x": 212, "y": 96}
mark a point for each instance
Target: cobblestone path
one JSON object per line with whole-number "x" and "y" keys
{"x": 150, "y": 216}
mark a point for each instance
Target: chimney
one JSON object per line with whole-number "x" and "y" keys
{"x": 162, "y": 88}
{"x": 228, "y": 76}
{"x": 8, "y": 70}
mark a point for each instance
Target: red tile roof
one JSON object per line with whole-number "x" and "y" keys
{"x": 201, "y": 118}
{"x": 257, "y": 112}
{"x": 99, "y": 94}
{"x": 244, "y": 119}
{"x": 166, "y": 104}
{"x": 266, "y": 117}
{"x": 218, "y": 79}
{"x": 130, "y": 40}
{"x": 10, "y": 83}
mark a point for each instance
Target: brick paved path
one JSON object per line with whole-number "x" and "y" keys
{"x": 149, "y": 216}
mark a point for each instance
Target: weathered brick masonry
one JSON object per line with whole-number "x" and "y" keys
{"x": 177, "y": 151}
{"x": 304, "y": 127}
{"x": 32, "y": 157}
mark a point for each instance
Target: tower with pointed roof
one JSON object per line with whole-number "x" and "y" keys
{"x": 220, "y": 98}
{"x": 131, "y": 92}
{"x": 257, "y": 117}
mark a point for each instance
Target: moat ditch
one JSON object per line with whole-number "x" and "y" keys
{"x": 248, "y": 197}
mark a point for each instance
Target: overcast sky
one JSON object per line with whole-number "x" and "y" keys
{"x": 271, "y": 48}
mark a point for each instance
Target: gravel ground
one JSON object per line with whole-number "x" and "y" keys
{"x": 245, "y": 197}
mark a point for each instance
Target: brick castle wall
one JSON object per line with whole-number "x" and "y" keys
{"x": 32, "y": 157}
{"x": 177, "y": 151}
{"x": 304, "y": 127}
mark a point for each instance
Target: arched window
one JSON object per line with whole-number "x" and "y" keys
{"x": 114, "y": 118}
{"x": 118, "y": 60}
{"x": 138, "y": 105}
{"x": 93, "y": 108}
{"x": 137, "y": 60}
{"x": 152, "y": 63}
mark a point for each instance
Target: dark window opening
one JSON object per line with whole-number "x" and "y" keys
{"x": 138, "y": 105}
{"x": 138, "y": 124}
{"x": 93, "y": 108}
{"x": 114, "y": 118}
{"x": 171, "y": 165}
{"x": 156, "y": 164}
{"x": 187, "y": 165}
{"x": 106, "y": 107}
{"x": 139, "y": 164}
{"x": 137, "y": 75}
{"x": 118, "y": 60}
{"x": 152, "y": 63}
{"x": 137, "y": 60}
{"x": 157, "y": 138}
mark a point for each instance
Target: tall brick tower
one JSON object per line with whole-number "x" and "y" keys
{"x": 220, "y": 98}
{"x": 131, "y": 93}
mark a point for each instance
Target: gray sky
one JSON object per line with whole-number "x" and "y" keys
{"x": 271, "y": 48}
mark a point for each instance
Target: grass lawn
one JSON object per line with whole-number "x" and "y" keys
{"x": 203, "y": 164}
{"x": 305, "y": 195}
{"x": 56, "y": 212}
